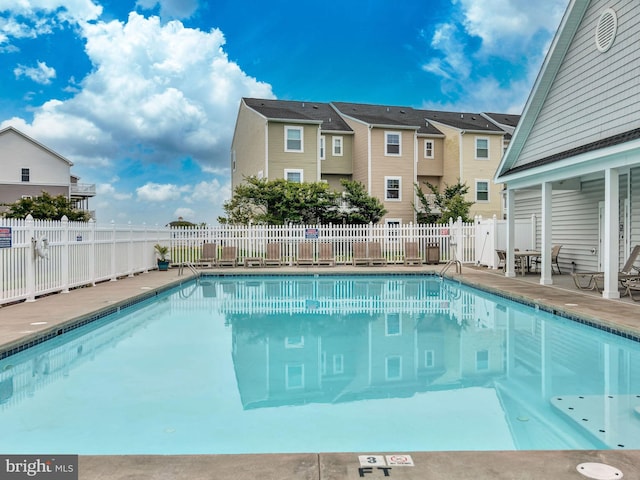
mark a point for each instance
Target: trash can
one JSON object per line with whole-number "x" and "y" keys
{"x": 433, "y": 253}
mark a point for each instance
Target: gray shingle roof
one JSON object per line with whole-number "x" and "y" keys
{"x": 387, "y": 115}
{"x": 507, "y": 119}
{"x": 295, "y": 110}
{"x": 462, "y": 120}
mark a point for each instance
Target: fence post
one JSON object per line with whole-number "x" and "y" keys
{"x": 93, "y": 250}
{"x": 130, "y": 251}
{"x": 494, "y": 241}
{"x": 64, "y": 261}
{"x": 31, "y": 259}
{"x": 114, "y": 277}
{"x": 460, "y": 240}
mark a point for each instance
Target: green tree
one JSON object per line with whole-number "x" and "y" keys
{"x": 46, "y": 207}
{"x": 451, "y": 203}
{"x": 359, "y": 207}
{"x": 279, "y": 202}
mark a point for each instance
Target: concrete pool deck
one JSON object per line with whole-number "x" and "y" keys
{"x": 24, "y": 321}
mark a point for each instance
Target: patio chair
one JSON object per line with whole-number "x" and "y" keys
{"x": 325, "y": 255}
{"x": 274, "y": 256}
{"x": 502, "y": 258}
{"x": 360, "y": 256}
{"x": 555, "y": 250}
{"x": 374, "y": 252}
{"x": 589, "y": 280}
{"x": 305, "y": 254}
{"x": 209, "y": 253}
{"x": 411, "y": 254}
{"x": 228, "y": 256}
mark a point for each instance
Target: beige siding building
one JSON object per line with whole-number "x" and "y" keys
{"x": 389, "y": 149}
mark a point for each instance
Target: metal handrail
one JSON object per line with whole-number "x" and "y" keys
{"x": 190, "y": 266}
{"x": 449, "y": 263}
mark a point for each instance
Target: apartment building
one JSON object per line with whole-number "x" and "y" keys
{"x": 389, "y": 149}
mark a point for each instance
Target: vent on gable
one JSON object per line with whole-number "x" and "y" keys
{"x": 606, "y": 30}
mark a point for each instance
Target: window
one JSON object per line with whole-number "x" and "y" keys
{"x": 322, "y": 154}
{"x": 429, "y": 359}
{"x": 392, "y": 325}
{"x": 337, "y": 146}
{"x": 392, "y": 143}
{"x": 482, "y": 148}
{"x": 482, "y": 190}
{"x": 233, "y": 161}
{"x": 294, "y": 376}
{"x": 25, "y": 174}
{"x": 338, "y": 363}
{"x": 294, "y": 342}
{"x": 482, "y": 360}
{"x": 393, "y": 368}
{"x": 428, "y": 149}
{"x": 293, "y": 139}
{"x": 392, "y": 188}
{"x": 293, "y": 175}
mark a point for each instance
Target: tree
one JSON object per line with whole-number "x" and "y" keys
{"x": 359, "y": 207}
{"x": 46, "y": 207}
{"x": 279, "y": 202}
{"x": 451, "y": 203}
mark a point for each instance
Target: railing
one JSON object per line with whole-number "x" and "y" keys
{"x": 83, "y": 189}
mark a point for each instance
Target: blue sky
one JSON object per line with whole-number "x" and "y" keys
{"x": 142, "y": 96}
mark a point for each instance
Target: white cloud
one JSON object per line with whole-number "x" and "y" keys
{"x": 185, "y": 213}
{"x": 155, "y": 192}
{"x": 170, "y": 9}
{"x": 108, "y": 190}
{"x": 157, "y": 93}
{"x": 42, "y": 73}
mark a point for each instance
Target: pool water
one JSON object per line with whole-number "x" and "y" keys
{"x": 322, "y": 364}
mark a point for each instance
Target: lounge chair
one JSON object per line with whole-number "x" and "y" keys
{"x": 305, "y": 254}
{"x": 589, "y": 280}
{"x": 360, "y": 256}
{"x": 209, "y": 253}
{"x": 274, "y": 256}
{"x": 375, "y": 254}
{"x": 325, "y": 255}
{"x": 411, "y": 254}
{"x": 228, "y": 257}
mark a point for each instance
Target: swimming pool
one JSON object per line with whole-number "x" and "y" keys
{"x": 238, "y": 364}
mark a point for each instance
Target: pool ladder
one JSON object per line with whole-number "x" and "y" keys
{"x": 190, "y": 266}
{"x": 448, "y": 265}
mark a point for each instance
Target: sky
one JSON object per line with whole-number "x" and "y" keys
{"x": 142, "y": 96}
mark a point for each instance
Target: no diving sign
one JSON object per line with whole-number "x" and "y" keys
{"x": 370, "y": 464}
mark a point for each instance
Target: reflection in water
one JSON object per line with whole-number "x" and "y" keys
{"x": 335, "y": 341}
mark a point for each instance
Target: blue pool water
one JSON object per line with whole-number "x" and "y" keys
{"x": 322, "y": 364}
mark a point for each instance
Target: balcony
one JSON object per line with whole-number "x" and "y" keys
{"x": 83, "y": 190}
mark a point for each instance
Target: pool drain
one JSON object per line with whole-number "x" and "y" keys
{"x": 599, "y": 471}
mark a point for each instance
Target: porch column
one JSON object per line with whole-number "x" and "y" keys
{"x": 610, "y": 246}
{"x": 509, "y": 270}
{"x": 545, "y": 234}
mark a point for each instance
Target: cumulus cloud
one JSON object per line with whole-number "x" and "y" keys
{"x": 41, "y": 73}
{"x": 485, "y": 34}
{"x": 155, "y": 192}
{"x": 185, "y": 213}
{"x": 156, "y": 93}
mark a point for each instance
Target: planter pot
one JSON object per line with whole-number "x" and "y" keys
{"x": 163, "y": 265}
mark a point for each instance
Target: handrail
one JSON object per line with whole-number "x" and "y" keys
{"x": 449, "y": 263}
{"x": 190, "y": 266}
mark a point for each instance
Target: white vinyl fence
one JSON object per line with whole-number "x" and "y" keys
{"x": 41, "y": 257}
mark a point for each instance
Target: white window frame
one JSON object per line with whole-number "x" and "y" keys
{"x": 287, "y": 171}
{"x": 323, "y": 154}
{"x": 386, "y": 368}
{"x": 287, "y": 368}
{"x": 481, "y": 180}
{"x": 396, "y": 323}
{"x": 429, "y": 359}
{"x": 387, "y": 144}
{"x": 429, "y": 142}
{"x": 337, "y": 142}
{"x": 294, "y": 342}
{"x": 338, "y": 363}
{"x": 289, "y": 128}
{"x": 386, "y": 189}
{"x": 488, "y": 148}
